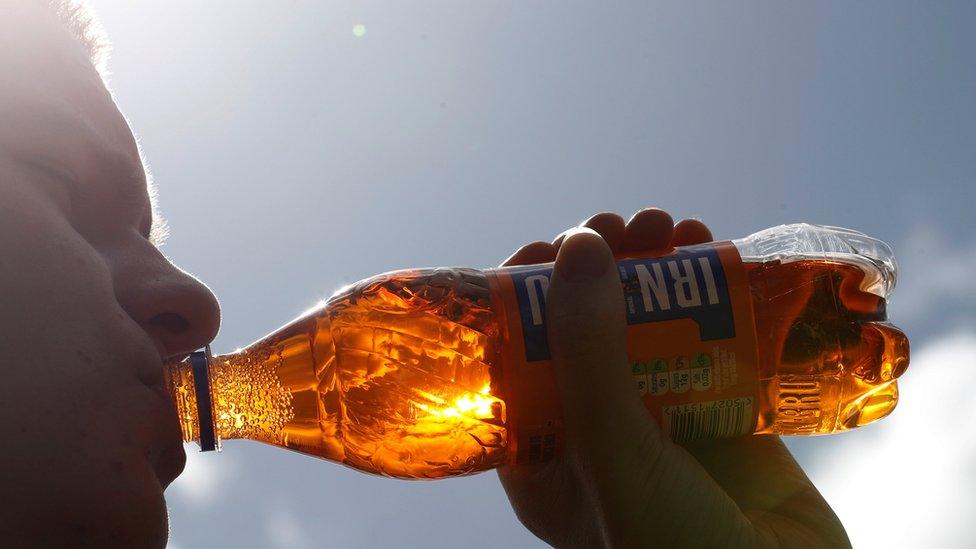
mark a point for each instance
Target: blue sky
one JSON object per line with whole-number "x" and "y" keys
{"x": 293, "y": 157}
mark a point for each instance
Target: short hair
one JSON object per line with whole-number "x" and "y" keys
{"x": 79, "y": 19}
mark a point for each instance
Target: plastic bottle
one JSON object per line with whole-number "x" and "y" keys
{"x": 428, "y": 373}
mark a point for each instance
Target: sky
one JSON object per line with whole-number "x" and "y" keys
{"x": 303, "y": 145}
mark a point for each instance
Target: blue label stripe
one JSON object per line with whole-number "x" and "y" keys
{"x": 690, "y": 283}
{"x": 532, "y": 309}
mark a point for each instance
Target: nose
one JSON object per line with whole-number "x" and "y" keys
{"x": 178, "y": 311}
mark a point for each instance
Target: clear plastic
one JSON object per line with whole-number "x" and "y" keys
{"x": 803, "y": 241}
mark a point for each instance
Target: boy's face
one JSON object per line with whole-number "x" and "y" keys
{"x": 89, "y": 308}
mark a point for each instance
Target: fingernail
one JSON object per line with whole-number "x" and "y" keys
{"x": 560, "y": 237}
{"x": 583, "y": 256}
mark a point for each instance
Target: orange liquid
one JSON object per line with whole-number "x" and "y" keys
{"x": 827, "y": 358}
{"x": 393, "y": 376}
{"x": 397, "y": 375}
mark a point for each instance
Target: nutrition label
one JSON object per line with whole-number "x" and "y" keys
{"x": 683, "y": 373}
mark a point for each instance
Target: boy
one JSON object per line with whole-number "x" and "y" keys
{"x": 90, "y": 310}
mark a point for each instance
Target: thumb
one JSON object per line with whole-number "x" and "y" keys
{"x": 587, "y": 340}
{"x": 628, "y": 467}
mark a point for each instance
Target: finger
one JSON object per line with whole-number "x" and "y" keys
{"x": 530, "y": 254}
{"x": 587, "y": 337}
{"x": 690, "y": 231}
{"x": 609, "y": 226}
{"x": 780, "y": 477}
{"x": 558, "y": 241}
{"x": 648, "y": 229}
{"x": 776, "y": 491}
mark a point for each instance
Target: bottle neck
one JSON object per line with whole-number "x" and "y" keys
{"x": 229, "y": 396}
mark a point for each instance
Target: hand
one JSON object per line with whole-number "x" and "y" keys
{"x": 620, "y": 481}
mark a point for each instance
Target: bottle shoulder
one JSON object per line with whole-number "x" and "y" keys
{"x": 805, "y": 242}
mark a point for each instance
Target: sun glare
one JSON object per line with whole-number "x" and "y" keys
{"x": 471, "y": 405}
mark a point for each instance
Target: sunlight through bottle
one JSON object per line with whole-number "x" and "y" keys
{"x": 428, "y": 373}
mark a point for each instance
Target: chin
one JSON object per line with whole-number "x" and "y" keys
{"x": 132, "y": 520}
{"x": 135, "y": 515}
{"x": 155, "y": 531}
{"x": 141, "y": 521}
{"x": 149, "y": 527}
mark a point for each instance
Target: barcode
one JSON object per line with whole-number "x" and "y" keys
{"x": 705, "y": 420}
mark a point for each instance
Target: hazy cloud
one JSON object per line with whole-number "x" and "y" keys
{"x": 205, "y": 477}
{"x": 914, "y": 484}
{"x": 285, "y": 530}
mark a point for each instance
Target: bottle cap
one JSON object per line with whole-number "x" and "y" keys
{"x": 200, "y": 362}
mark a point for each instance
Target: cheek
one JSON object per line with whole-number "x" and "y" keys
{"x": 76, "y": 434}
{"x": 76, "y": 470}
{"x": 58, "y": 313}
{"x": 46, "y": 260}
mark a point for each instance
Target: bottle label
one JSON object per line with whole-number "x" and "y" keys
{"x": 691, "y": 346}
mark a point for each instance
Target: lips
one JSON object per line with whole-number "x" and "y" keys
{"x": 170, "y": 464}
{"x": 150, "y": 372}
{"x": 166, "y": 452}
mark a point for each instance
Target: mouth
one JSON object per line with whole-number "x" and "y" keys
{"x": 166, "y": 453}
{"x": 169, "y": 464}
